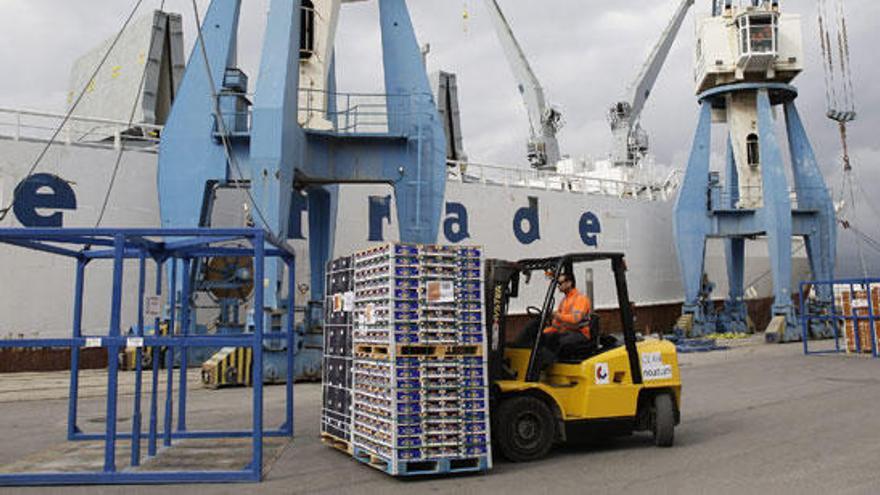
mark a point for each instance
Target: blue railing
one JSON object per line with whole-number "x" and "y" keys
{"x": 344, "y": 113}
{"x": 851, "y": 308}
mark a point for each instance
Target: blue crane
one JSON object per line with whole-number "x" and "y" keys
{"x": 747, "y": 55}
{"x": 219, "y": 135}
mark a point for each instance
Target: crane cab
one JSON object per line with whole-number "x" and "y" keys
{"x": 748, "y": 43}
{"x": 757, "y": 40}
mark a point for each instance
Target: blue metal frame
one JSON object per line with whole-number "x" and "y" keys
{"x": 159, "y": 246}
{"x": 810, "y": 320}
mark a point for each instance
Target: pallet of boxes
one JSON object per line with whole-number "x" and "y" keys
{"x": 338, "y": 324}
{"x": 853, "y": 302}
{"x": 419, "y": 390}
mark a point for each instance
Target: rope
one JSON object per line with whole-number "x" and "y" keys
{"x": 221, "y": 125}
{"x": 855, "y": 217}
{"x": 836, "y": 62}
{"x": 841, "y": 107}
{"x": 768, "y": 272}
{"x": 5, "y": 211}
{"x": 121, "y": 151}
{"x": 823, "y": 36}
{"x": 845, "y": 57}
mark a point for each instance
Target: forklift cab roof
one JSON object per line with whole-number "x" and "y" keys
{"x": 564, "y": 263}
{"x": 567, "y": 259}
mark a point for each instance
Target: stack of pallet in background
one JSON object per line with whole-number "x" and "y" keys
{"x": 854, "y": 304}
{"x": 338, "y": 324}
{"x": 419, "y": 382}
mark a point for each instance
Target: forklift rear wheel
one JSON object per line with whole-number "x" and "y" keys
{"x": 664, "y": 420}
{"x": 525, "y": 429}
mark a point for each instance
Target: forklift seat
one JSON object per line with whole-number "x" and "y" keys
{"x": 578, "y": 353}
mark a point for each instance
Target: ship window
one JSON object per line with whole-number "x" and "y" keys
{"x": 307, "y": 30}
{"x": 753, "y": 150}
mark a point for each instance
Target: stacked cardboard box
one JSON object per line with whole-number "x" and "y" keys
{"x": 419, "y": 383}
{"x": 337, "y": 368}
{"x": 852, "y": 302}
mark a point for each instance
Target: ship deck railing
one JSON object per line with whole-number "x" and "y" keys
{"x": 20, "y": 124}
{"x": 519, "y": 177}
{"x": 348, "y": 114}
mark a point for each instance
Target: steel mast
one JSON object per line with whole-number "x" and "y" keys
{"x": 544, "y": 120}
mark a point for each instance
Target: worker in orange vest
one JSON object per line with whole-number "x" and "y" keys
{"x": 573, "y": 310}
{"x": 570, "y": 323}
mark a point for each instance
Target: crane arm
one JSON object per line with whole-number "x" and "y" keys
{"x": 644, "y": 83}
{"x": 631, "y": 142}
{"x": 544, "y": 121}
{"x": 529, "y": 86}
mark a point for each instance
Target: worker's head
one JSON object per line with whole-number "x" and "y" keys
{"x": 565, "y": 282}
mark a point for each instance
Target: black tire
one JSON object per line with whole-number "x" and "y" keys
{"x": 525, "y": 429}
{"x": 664, "y": 420}
{"x": 146, "y": 360}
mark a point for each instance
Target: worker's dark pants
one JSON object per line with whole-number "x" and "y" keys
{"x": 554, "y": 344}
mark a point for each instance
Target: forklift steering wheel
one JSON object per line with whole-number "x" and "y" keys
{"x": 534, "y": 311}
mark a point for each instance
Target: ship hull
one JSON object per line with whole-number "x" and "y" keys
{"x": 509, "y": 221}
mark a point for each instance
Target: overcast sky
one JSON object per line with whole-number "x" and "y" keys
{"x": 585, "y": 51}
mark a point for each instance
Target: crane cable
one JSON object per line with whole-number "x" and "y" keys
{"x": 121, "y": 150}
{"x": 836, "y": 63}
{"x": 841, "y": 108}
{"x": 224, "y": 138}
{"x": 5, "y": 210}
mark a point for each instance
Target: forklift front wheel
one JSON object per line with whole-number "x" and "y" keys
{"x": 664, "y": 420}
{"x": 525, "y": 428}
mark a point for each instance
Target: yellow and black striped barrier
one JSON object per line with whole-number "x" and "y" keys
{"x": 229, "y": 367}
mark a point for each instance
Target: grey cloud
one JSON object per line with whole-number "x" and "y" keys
{"x": 586, "y": 52}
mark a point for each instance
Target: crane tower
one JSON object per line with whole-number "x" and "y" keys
{"x": 747, "y": 55}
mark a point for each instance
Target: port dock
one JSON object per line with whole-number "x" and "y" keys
{"x": 758, "y": 419}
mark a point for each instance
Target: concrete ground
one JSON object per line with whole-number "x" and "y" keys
{"x": 756, "y": 419}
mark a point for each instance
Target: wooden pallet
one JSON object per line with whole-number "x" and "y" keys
{"x": 337, "y": 443}
{"x": 418, "y": 350}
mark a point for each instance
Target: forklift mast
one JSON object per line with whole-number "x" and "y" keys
{"x": 501, "y": 284}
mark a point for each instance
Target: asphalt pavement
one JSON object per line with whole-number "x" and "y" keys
{"x": 755, "y": 419}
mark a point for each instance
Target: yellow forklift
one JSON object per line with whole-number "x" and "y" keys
{"x": 602, "y": 388}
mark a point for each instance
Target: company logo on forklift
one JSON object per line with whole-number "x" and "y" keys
{"x": 653, "y": 367}
{"x": 602, "y": 374}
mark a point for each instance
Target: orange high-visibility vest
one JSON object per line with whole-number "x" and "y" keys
{"x": 572, "y": 313}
